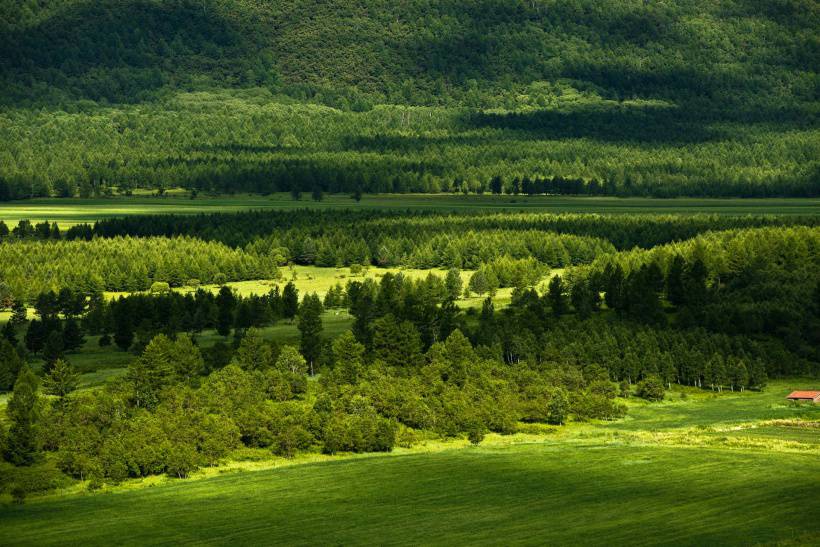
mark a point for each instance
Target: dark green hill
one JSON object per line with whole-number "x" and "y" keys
{"x": 416, "y": 51}
{"x": 616, "y": 97}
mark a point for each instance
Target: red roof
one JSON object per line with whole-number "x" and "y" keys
{"x": 804, "y": 395}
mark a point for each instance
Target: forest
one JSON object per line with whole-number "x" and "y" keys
{"x": 635, "y": 308}
{"x": 460, "y": 272}
{"x": 656, "y": 99}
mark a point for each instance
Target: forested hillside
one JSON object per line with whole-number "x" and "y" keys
{"x": 714, "y": 98}
{"x": 474, "y": 52}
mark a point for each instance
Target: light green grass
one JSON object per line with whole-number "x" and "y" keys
{"x": 67, "y": 212}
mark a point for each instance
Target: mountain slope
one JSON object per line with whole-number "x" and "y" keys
{"x": 414, "y": 51}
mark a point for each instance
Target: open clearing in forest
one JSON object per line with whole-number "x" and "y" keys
{"x": 68, "y": 212}
{"x": 621, "y": 481}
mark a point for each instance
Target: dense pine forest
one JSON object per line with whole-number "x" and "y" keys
{"x": 688, "y": 98}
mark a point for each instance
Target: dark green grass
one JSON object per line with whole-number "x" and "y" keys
{"x": 526, "y": 494}
{"x": 68, "y": 212}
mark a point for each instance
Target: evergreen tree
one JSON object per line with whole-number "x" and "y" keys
{"x": 253, "y": 352}
{"x": 694, "y": 283}
{"x": 348, "y": 357}
{"x": 35, "y": 337}
{"x": 487, "y": 334}
{"x": 396, "y": 343}
{"x": 317, "y": 194}
{"x": 18, "y": 313}
{"x": 496, "y": 185}
{"x": 453, "y": 283}
{"x": 585, "y": 299}
{"x": 309, "y": 324}
{"x": 478, "y": 283}
{"x": 290, "y": 301}
{"x": 675, "y": 290}
{"x": 53, "y": 348}
{"x": 152, "y": 371}
{"x": 123, "y": 324}
{"x": 61, "y": 379}
{"x": 10, "y": 365}
{"x": 225, "y": 305}
{"x": 9, "y": 333}
{"x": 614, "y": 289}
{"x": 23, "y": 412}
{"x": 556, "y": 296}
{"x": 72, "y": 335}
{"x": 186, "y": 359}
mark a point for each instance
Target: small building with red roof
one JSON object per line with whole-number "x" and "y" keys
{"x": 806, "y": 396}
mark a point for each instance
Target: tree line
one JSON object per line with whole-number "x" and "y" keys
{"x": 241, "y": 228}
{"x": 29, "y": 267}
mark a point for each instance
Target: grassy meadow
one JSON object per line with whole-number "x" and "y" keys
{"x": 728, "y": 469}
{"x": 68, "y": 212}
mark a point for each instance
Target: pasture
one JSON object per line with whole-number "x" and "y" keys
{"x": 623, "y": 481}
{"x": 68, "y": 212}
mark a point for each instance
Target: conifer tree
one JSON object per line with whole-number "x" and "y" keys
{"x": 23, "y": 411}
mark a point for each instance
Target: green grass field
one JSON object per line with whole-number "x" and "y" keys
{"x": 613, "y": 484}
{"x": 68, "y": 212}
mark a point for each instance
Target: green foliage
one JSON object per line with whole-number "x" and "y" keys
{"x": 309, "y": 323}
{"x": 61, "y": 380}
{"x": 133, "y": 264}
{"x": 291, "y": 361}
{"x": 254, "y": 353}
{"x": 23, "y": 411}
{"x": 10, "y": 365}
{"x": 714, "y": 99}
{"x": 651, "y": 388}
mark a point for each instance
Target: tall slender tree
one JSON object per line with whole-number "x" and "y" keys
{"x": 23, "y": 411}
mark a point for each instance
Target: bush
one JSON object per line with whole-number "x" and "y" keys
{"x": 475, "y": 432}
{"x": 160, "y": 287}
{"x": 182, "y": 460}
{"x": 651, "y": 388}
{"x": 366, "y": 432}
{"x": 18, "y": 494}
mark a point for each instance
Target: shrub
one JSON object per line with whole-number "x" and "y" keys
{"x": 160, "y": 287}
{"x": 475, "y": 432}
{"x": 651, "y": 388}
